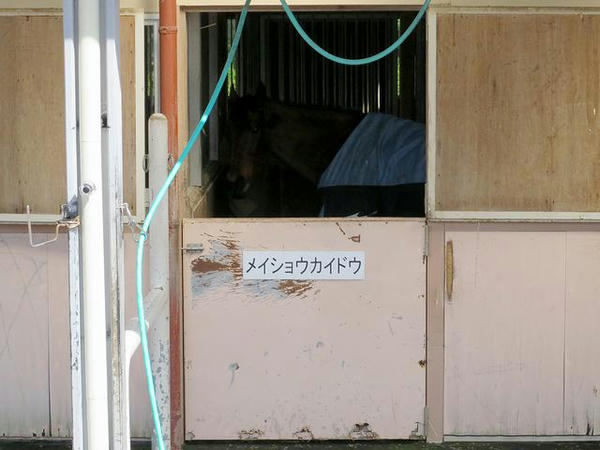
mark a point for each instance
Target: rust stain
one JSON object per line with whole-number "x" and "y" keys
{"x": 293, "y": 287}
{"x": 422, "y": 363}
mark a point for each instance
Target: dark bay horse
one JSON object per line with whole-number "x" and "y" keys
{"x": 277, "y": 154}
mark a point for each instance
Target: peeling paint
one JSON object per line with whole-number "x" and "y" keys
{"x": 223, "y": 255}
{"x": 221, "y": 266}
{"x": 362, "y": 431}
{"x": 304, "y": 434}
{"x": 201, "y": 265}
{"x": 293, "y": 287}
{"x": 251, "y": 434}
{"x": 418, "y": 432}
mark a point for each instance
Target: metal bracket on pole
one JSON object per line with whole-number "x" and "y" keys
{"x": 68, "y": 224}
{"x": 134, "y": 226}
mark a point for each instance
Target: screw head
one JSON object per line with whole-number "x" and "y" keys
{"x": 87, "y": 188}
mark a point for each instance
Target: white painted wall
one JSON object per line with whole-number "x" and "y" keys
{"x": 521, "y": 331}
{"x": 35, "y": 390}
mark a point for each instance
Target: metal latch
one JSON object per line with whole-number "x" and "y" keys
{"x": 194, "y": 248}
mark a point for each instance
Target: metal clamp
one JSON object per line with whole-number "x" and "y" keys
{"x": 135, "y": 227}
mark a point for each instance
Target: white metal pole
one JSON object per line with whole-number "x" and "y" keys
{"x": 77, "y": 403}
{"x": 92, "y": 229}
{"x": 112, "y": 146}
{"x": 159, "y": 270}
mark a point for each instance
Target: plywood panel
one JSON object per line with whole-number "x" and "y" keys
{"x": 32, "y": 154}
{"x": 504, "y": 333}
{"x": 24, "y": 389}
{"x": 127, "y": 31}
{"x": 582, "y": 361}
{"x": 294, "y": 359}
{"x": 518, "y": 104}
{"x": 31, "y": 114}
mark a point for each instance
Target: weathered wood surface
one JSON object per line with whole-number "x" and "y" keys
{"x": 518, "y": 112}
{"x": 32, "y": 131}
{"x": 520, "y": 332}
{"x": 299, "y": 359}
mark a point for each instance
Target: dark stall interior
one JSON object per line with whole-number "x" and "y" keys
{"x": 286, "y": 112}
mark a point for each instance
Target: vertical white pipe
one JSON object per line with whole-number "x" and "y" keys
{"x": 159, "y": 270}
{"x": 112, "y": 152}
{"x": 77, "y": 404}
{"x": 92, "y": 230}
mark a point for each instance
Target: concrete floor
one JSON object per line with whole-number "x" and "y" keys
{"x": 65, "y": 445}
{"x": 392, "y": 446}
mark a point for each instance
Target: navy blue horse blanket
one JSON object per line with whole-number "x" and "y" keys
{"x": 380, "y": 170}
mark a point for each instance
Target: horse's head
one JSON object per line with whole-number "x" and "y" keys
{"x": 248, "y": 158}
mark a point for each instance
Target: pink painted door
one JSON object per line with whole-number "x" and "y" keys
{"x": 35, "y": 370}
{"x": 520, "y": 327}
{"x": 304, "y": 359}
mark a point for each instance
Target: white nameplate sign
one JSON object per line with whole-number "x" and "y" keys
{"x": 306, "y": 265}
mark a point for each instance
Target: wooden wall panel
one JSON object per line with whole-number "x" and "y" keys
{"x": 129, "y": 111}
{"x": 32, "y": 136}
{"x": 518, "y": 103}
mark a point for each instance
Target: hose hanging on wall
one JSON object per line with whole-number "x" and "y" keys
{"x": 184, "y": 154}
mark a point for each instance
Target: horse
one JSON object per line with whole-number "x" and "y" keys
{"x": 284, "y": 160}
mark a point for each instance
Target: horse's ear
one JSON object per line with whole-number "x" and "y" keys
{"x": 261, "y": 93}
